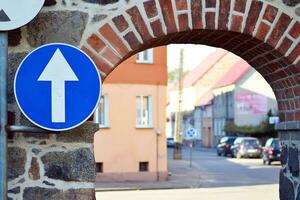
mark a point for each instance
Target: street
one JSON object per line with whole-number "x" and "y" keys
{"x": 214, "y": 171}
{"x": 210, "y": 177}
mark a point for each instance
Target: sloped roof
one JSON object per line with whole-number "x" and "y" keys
{"x": 193, "y": 76}
{"x": 205, "y": 100}
{"x": 234, "y": 74}
{"x": 238, "y": 70}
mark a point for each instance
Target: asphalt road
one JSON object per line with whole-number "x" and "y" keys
{"x": 211, "y": 177}
{"x": 217, "y": 171}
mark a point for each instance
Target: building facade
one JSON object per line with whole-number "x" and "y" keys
{"x": 196, "y": 84}
{"x": 222, "y": 89}
{"x": 203, "y": 113}
{"x": 207, "y": 126}
{"x": 242, "y": 97}
{"x": 131, "y": 142}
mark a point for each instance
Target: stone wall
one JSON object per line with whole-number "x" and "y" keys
{"x": 44, "y": 166}
{"x": 52, "y": 166}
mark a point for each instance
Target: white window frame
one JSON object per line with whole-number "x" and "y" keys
{"x": 106, "y": 113}
{"x": 150, "y": 111}
{"x": 140, "y": 57}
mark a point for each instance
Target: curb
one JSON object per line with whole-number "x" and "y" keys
{"x": 140, "y": 189}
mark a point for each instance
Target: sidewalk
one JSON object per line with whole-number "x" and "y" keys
{"x": 181, "y": 176}
{"x": 232, "y": 193}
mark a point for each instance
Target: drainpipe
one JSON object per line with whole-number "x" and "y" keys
{"x": 158, "y": 131}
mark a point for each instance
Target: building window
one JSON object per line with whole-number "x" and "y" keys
{"x": 143, "y": 111}
{"x": 145, "y": 56}
{"x": 101, "y": 114}
{"x": 144, "y": 166}
{"x": 99, "y": 167}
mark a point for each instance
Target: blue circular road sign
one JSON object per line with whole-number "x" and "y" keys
{"x": 57, "y": 87}
{"x": 190, "y": 134}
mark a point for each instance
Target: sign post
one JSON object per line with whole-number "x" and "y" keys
{"x": 13, "y": 14}
{"x": 3, "y": 114}
{"x": 190, "y": 136}
{"x": 191, "y": 153}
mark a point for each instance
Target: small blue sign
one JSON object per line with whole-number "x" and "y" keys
{"x": 191, "y": 134}
{"x": 57, "y": 87}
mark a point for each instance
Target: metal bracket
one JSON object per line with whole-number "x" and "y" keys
{"x": 25, "y": 129}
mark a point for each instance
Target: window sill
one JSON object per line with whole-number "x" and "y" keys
{"x": 144, "y": 127}
{"x": 104, "y": 127}
{"x": 144, "y": 62}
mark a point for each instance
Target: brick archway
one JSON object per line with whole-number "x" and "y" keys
{"x": 265, "y": 34}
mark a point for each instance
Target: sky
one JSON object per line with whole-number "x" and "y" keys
{"x": 193, "y": 55}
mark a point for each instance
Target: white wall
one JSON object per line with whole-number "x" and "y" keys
{"x": 188, "y": 100}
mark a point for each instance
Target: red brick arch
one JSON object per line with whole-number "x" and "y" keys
{"x": 264, "y": 35}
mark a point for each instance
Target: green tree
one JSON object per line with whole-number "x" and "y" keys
{"x": 264, "y": 129}
{"x": 173, "y": 75}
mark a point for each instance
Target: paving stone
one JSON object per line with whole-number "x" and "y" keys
{"x": 15, "y": 190}
{"x": 83, "y": 133}
{"x": 36, "y": 151}
{"x": 14, "y": 60}
{"x": 16, "y": 162}
{"x": 57, "y": 26}
{"x": 76, "y": 165}
{"x": 98, "y": 18}
{"x": 34, "y": 171}
{"x": 50, "y": 2}
{"x": 14, "y": 37}
{"x": 297, "y": 11}
{"x": 38, "y": 193}
{"x": 291, "y": 2}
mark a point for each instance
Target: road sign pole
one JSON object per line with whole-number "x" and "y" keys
{"x": 191, "y": 154}
{"x": 3, "y": 114}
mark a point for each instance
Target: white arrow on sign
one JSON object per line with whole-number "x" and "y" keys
{"x": 58, "y": 71}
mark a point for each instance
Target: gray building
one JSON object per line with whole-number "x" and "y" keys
{"x": 242, "y": 97}
{"x": 223, "y": 111}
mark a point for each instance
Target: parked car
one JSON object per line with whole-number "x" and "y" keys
{"x": 170, "y": 142}
{"x": 246, "y": 147}
{"x": 271, "y": 151}
{"x": 223, "y": 148}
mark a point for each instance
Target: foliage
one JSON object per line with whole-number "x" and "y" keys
{"x": 261, "y": 130}
{"x": 173, "y": 75}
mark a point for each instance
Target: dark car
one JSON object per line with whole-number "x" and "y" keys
{"x": 223, "y": 148}
{"x": 271, "y": 151}
{"x": 170, "y": 142}
{"x": 246, "y": 147}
